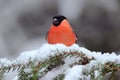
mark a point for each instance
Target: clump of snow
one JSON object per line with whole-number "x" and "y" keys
{"x": 71, "y": 73}
{"x": 26, "y": 56}
{"x": 74, "y": 73}
{"x": 96, "y": 73}
{"x": 45, "y": 51}
{"x": 15, "y": 78}
{"x": 4, "y": 62}
{"x": 11, "y": 75}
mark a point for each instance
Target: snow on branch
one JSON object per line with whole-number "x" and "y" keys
{"x": 58, "y": 62}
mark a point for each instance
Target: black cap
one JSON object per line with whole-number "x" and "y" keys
{"x": 58, "y": 19}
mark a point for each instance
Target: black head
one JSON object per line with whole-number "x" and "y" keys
{"x": 58, "y": 19}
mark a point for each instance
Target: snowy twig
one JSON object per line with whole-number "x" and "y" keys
{"x": 58, "y": 62}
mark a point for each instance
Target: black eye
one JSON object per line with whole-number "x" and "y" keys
{"x": 56, "y": 21}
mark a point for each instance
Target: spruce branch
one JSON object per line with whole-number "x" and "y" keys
{"x": 89, "y": 65}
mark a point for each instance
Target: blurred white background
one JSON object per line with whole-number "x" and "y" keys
{"x": 24, "y": 23}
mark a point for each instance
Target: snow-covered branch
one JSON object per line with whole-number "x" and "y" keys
{"x": 58, "y": 62}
